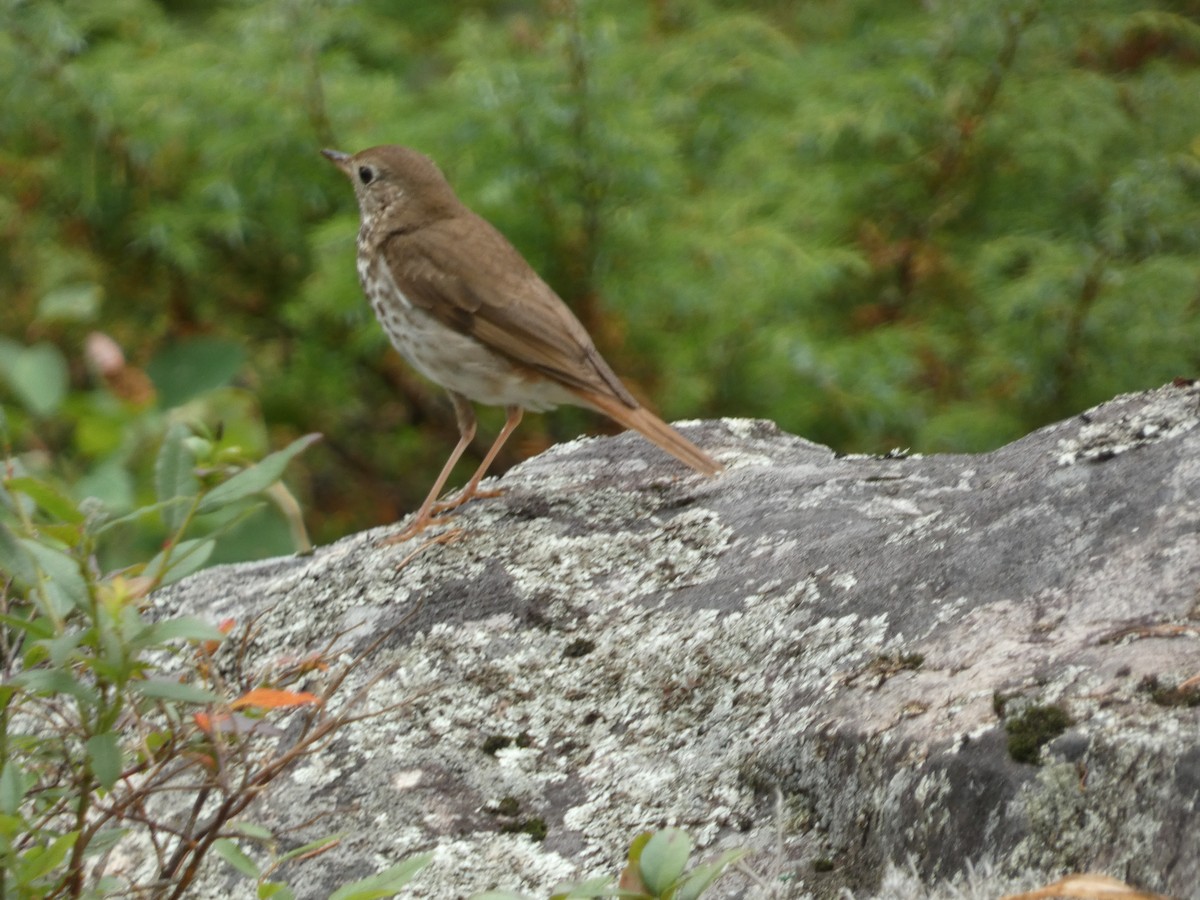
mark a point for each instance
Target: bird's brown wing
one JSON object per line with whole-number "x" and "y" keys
{"x": 467, "y": 275}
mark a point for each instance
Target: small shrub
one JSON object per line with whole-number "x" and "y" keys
{"x": 1033, "y": 729}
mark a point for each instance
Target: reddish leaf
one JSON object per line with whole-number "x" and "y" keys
{"x": 205, "y": 722}
{"x": 270, "y": 698}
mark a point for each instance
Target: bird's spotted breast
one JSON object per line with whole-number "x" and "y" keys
{"x": 447, "y": 357}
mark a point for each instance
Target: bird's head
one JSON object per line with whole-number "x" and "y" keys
{"x": 397, "y": 182}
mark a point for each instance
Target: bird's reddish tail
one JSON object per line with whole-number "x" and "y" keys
{"x": 654, "y": 430}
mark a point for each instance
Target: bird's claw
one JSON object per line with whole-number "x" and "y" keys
{"x": 454, "y": 503}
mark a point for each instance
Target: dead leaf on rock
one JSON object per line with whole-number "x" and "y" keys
{"x": 1087, "y": 887}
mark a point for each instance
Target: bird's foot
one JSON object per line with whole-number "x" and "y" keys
{"x": 436, "y": 514}
{"x": 468, "y": 494}
{"x": 449, "y": 536}
{"x": 416, "y": 527}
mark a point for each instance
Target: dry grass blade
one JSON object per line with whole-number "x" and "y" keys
{"x": 1087, "y": 887}
{"x": 1155, "y": 630}
{"x": 1191, "y": 684}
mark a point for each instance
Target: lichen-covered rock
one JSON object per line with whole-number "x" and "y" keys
{"x": 615, "y": 644}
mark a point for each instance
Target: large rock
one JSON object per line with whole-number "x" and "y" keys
{"x": 615, "y": 644}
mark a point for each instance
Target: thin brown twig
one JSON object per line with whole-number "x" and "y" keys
{"x": 316, "y": 734}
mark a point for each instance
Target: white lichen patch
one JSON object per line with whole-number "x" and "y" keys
{"x": 743, "y": 429}
{"x": 1169, "y": 414}
{"x": 843, "y": 581}
{"x": 640, "y": 725}
{"x": 316, "y": 772}
{"x": 510, "y": 862}
{"x": 406, "y": 779}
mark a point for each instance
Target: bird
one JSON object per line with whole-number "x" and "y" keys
{"x": 466, "y": 310}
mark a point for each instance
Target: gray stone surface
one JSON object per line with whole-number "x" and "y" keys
{"x": 852, "y": 632}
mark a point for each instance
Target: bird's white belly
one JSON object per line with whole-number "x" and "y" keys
{"x": 458, "y": 362}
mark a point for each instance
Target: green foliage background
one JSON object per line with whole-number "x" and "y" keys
{"x": 879, "y": 223}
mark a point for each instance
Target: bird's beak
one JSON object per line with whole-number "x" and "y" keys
{"x": 339, "y": 159}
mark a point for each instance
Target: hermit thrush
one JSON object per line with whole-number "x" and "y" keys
{"x": 468, "y": 312}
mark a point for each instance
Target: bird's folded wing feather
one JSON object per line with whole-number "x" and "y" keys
{"x": 466, "y": 274}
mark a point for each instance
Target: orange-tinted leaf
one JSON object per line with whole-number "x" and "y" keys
{"x": 293, "y": 666}
{"x": 224, "y": 626}
{"x": 205, "y": 722}
{"x": 631, "y": 879}
{"x": 203, "y": 759}
{"x": 1087, "y": 887}
{"x": 270, "y": 698}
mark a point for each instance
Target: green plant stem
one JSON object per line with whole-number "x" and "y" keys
{"x": 175, "y": 539}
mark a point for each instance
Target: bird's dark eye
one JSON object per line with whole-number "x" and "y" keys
{"x": 365, "y": 175}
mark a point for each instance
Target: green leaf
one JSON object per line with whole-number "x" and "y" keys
{"x": 104, "y": 752}
{"x": 67, "y": 535}
{"x": 38, "y": 376}
{"x": 663, "y": 859}
{"x": 251, "y": 830}
{"x": 39, "y": 861}
{"x": 385, "y": 883}
{"x": 593, "y": 887}
{"x": 38, "y": 628}
{"x": 702, "y": 877}
{"x": 638, "y": 844}
{"x": 275, "y": 889}
{"x": 15, "y": 559}
{"x": 56, "y": 681}
{"x": 10, "y": 827}
{"x": 13, "y": 785}
{"x": 310, "y": 846}
{"x": 130, "y": 518}
{"x": 187, "y": 628}
{"x": 181, "y": 560}
{"x": 187, "y": 369}
{"x": 110, "y": 483}
{"x": 257, "y": 478}
{"x": 104, "y": 840}
{"x": 48, "y": 497}
{"x": 236, "y": 857}
{"x": 174, "y": 479}
{"x": 165, "y": 689}
{"x": 60, "y": 648}
{"x": 65, "y": 584}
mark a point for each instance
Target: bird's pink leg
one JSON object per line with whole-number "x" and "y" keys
{"x": 465, "y": 415}
{"x": 472, "y": 489}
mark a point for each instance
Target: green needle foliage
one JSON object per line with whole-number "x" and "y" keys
{"x": 881, "y": 224}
